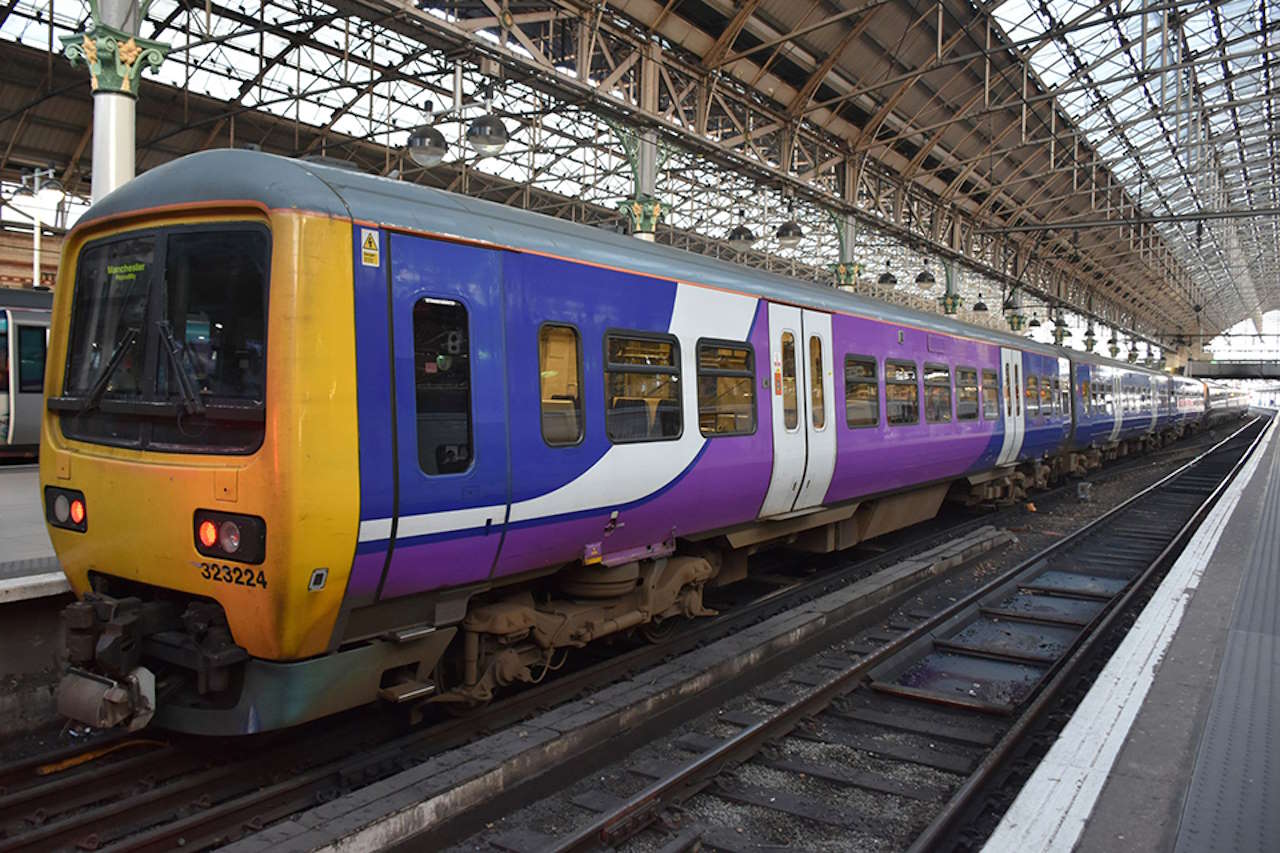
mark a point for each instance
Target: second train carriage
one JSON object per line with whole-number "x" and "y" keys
{"x": 24, "y": 331}
{"x": 333, "y": 437}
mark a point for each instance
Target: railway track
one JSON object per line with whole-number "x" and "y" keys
{"x": 157, "y": 791}
{"x": 897, "y": 748}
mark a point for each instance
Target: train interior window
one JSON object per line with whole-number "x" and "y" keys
{"x": 790, "y": 402}
{"x": 726, "y": 388}
{"x": 560, "y": 371}
{"x": 966, "y": 394}
{"x": 901, "y": 393}
{"x": 642, "y": 388}
{"x": 1033, "y": 396}
{"x": 817, "y": 404}
{"x": 1047, "y": 397}
{"x": 937, "y": 393}
{"x": 4, "y": 364}
{"x": 442, "y": 385}
{"x": 1063, "y": 389}
{"x": 861, "y": 392}
{"x": 31, "y": 352}
{"x": 990, "y": 395}
{"x": 1086, "y": 401}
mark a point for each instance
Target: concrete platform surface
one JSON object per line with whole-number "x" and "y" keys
{"x": 1174, "y": 748}
{"x": 24, "y": 541}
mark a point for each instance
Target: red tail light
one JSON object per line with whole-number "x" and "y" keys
{"x": 77, "y": 511}
{"x": 65, "y": 508}
{"x": 242, "y": 538}
{"x": 208, "y": 534}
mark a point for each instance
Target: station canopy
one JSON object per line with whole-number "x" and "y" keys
{"x": 1114, "y": 162}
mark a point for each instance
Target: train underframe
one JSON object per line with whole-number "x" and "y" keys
{"x": 136, "y": 650}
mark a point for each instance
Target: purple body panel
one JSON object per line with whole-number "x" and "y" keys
{"x": 877, "y": 459}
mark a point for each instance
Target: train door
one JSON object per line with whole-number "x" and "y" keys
{"x": 1155, "y": 395}
{"x": 787, "y": 404}
{"x": 24, "y": 339}
{"x": 450, "y": 402}
{"x": 1117, "y": 394}
{"x": 820, "y": 427}
{"x": 1015, "y": 425}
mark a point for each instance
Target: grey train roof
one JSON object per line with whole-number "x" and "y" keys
{"x": 227, "y": 174}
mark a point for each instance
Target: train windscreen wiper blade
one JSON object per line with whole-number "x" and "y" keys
{"x": 117, "y": 358}
{"x": 190, "y": 399}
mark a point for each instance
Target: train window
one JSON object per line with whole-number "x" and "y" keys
{"x": 1086, "y": 401}
{"x": 442, "y": 385}
{"x": 560, "y": 372}
{"x": 1047, "y": 397}
{"x": 861, "y": 392}
{"x": 937, "y": 393}
{"x": 990, "y": 395}
{"x": 726, "y": 388}
{"x": 1017, "y": 383}
{"x": 1063, "y": 387}
{"x": 31, "y": 351}
{"x": 817, "y": 404}
{"x": 790, "y": 403}
{"x": 966, "y": 394}
{"x": 1008, "y": 394}
{"x": 901, "y": 392}
{"x": 642, "y": 388}
{"x": 4, "y": 368}
{"x": 1033, "y": 396}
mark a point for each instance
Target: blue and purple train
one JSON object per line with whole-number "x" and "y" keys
{"x": 314, "y": 438}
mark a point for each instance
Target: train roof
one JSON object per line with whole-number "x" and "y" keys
{"x": 27, "y": 298}
{"x": 237, "y": 175}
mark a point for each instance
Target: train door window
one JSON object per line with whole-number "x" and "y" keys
{"x": 990, "y": 395}
{"x": 1047, "y": 397}
{"x": 642, "y": 388}
{"x": 861, "y": 392}
{"x": 817, "y": 404}
{"x": 901, "y": 392}
{"x": 560, "y": 379}
{"x": 1008, "y": 394}
{"x": 1017, "y": 383}
{"x": 4, "y": 358}
{"x": 1033, "y": 396}
{"x": 31, "y": 352}
{"x": 442, "y": 385}
{"x": 937, "y": 393}
{"x": 790, "y": 402}
{"x": 726, "y": 388}
{"x": 1063, "y": 387}
{"x": 1086, "y": 402}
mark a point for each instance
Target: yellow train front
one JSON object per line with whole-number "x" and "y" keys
{"x": 199, "y": 460}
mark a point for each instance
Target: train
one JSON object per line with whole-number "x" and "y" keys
{"x": 24, "y": 333}
{"x": 315, "y": 439}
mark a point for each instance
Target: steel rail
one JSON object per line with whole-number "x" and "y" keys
{"x": 944, "y": 823}
{"x": 643, "y": 808}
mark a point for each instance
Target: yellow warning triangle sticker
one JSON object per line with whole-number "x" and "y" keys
{"x": 371, "y": 242}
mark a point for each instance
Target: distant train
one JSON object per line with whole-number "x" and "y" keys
{"x": 315, "y": 438}
{"x": 24, "y": 332}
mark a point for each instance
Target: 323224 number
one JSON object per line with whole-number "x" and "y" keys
{"x": 237, "y": 575}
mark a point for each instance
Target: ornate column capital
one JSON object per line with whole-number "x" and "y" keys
{"x": 643, "y": 212}
{"x": 114, "y": 57}
{"x": 846, "y": 273}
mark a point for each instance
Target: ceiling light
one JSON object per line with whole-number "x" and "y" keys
{"x": 887, "y": 278}
{"x": 925, "y": 278}
{"x": 789, "y": 234}
{"x": 979, "y": 306}
{"x": 427, "y": 146}
{"x": 488, "y": 135}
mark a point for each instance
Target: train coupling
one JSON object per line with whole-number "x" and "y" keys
{"x": 109, "y": 638}
{"x": 105, "y": 703}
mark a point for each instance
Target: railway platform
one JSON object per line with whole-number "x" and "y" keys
{"x": 1174, "y": 747}
{"x": 28, "y": 567}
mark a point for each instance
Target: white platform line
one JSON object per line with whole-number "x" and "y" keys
{"x": 1050, "y": 812}
{"x": 33, "y": 586}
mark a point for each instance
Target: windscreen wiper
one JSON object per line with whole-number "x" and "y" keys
{"x": 190, "y": 399}
{"x": 117, "y": 358}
